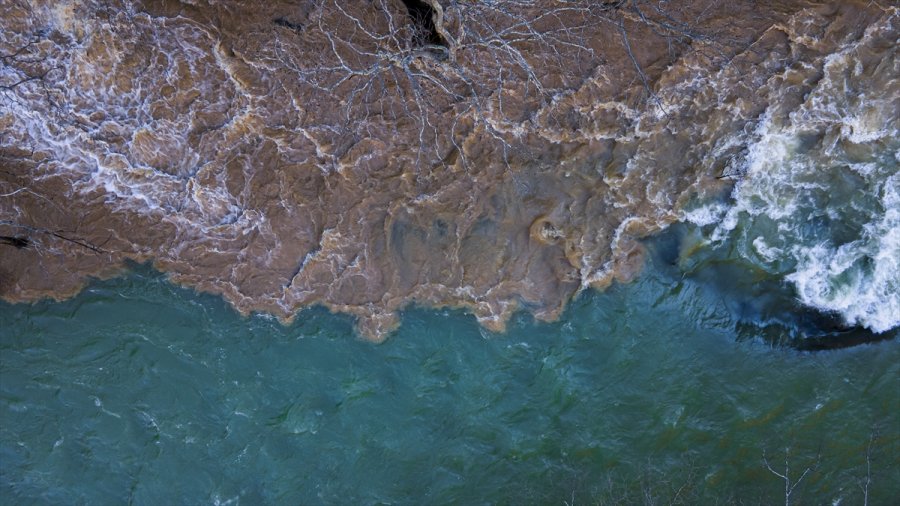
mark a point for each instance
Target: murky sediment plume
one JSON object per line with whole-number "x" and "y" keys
{"x": 494, "y": 156}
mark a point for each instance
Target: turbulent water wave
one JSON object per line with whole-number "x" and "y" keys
{"x": 819, "y": 198}
{"x": 514, "y": 156}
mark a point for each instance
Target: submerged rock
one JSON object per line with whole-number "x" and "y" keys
{"x": 368, "y": 155}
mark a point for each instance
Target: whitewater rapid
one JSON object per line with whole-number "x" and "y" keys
{"x": 818, "y": 196}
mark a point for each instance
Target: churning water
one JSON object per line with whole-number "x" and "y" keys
{"x": 686, "y": 386}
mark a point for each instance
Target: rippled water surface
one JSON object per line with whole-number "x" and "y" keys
{"x": 137, "y": 391}
{"x": 212, "y": 143}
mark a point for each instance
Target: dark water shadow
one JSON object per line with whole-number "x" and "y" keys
{"x": 763, "y": 305}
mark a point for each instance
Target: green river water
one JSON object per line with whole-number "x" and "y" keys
{"x": 656, "y": 392}
{"x": 689, "y": 385}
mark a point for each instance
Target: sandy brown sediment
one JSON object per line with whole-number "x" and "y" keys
{"x": 329, "y": 153}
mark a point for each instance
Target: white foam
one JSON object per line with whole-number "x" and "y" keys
{"x": 835, "y": 280}
{"x": 790, "y": 163}
{"x": 863, "y": 129}
{"x": 707, "y": 214}
{"x": 768, "y": 253}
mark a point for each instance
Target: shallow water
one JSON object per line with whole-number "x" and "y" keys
{"x": 142, "y": 392}
{"x": 222, "y": 143}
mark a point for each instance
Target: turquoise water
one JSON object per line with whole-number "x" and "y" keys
{"x": 659, "y": 391}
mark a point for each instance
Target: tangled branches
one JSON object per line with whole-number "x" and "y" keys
{"x": 435, "y": 69}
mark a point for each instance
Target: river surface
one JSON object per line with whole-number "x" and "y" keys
{"x": 743, "y": 219}
{"x": 659, "y": 391}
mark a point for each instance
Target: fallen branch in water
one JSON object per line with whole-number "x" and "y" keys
{"x": 22, "y": 242}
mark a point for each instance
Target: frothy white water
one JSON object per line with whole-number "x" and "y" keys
{"x": 705, "y": 214}
{"x": 819, "y": 202}
{"x": 117, "y": 107}
{"x": 860, "y": 279}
